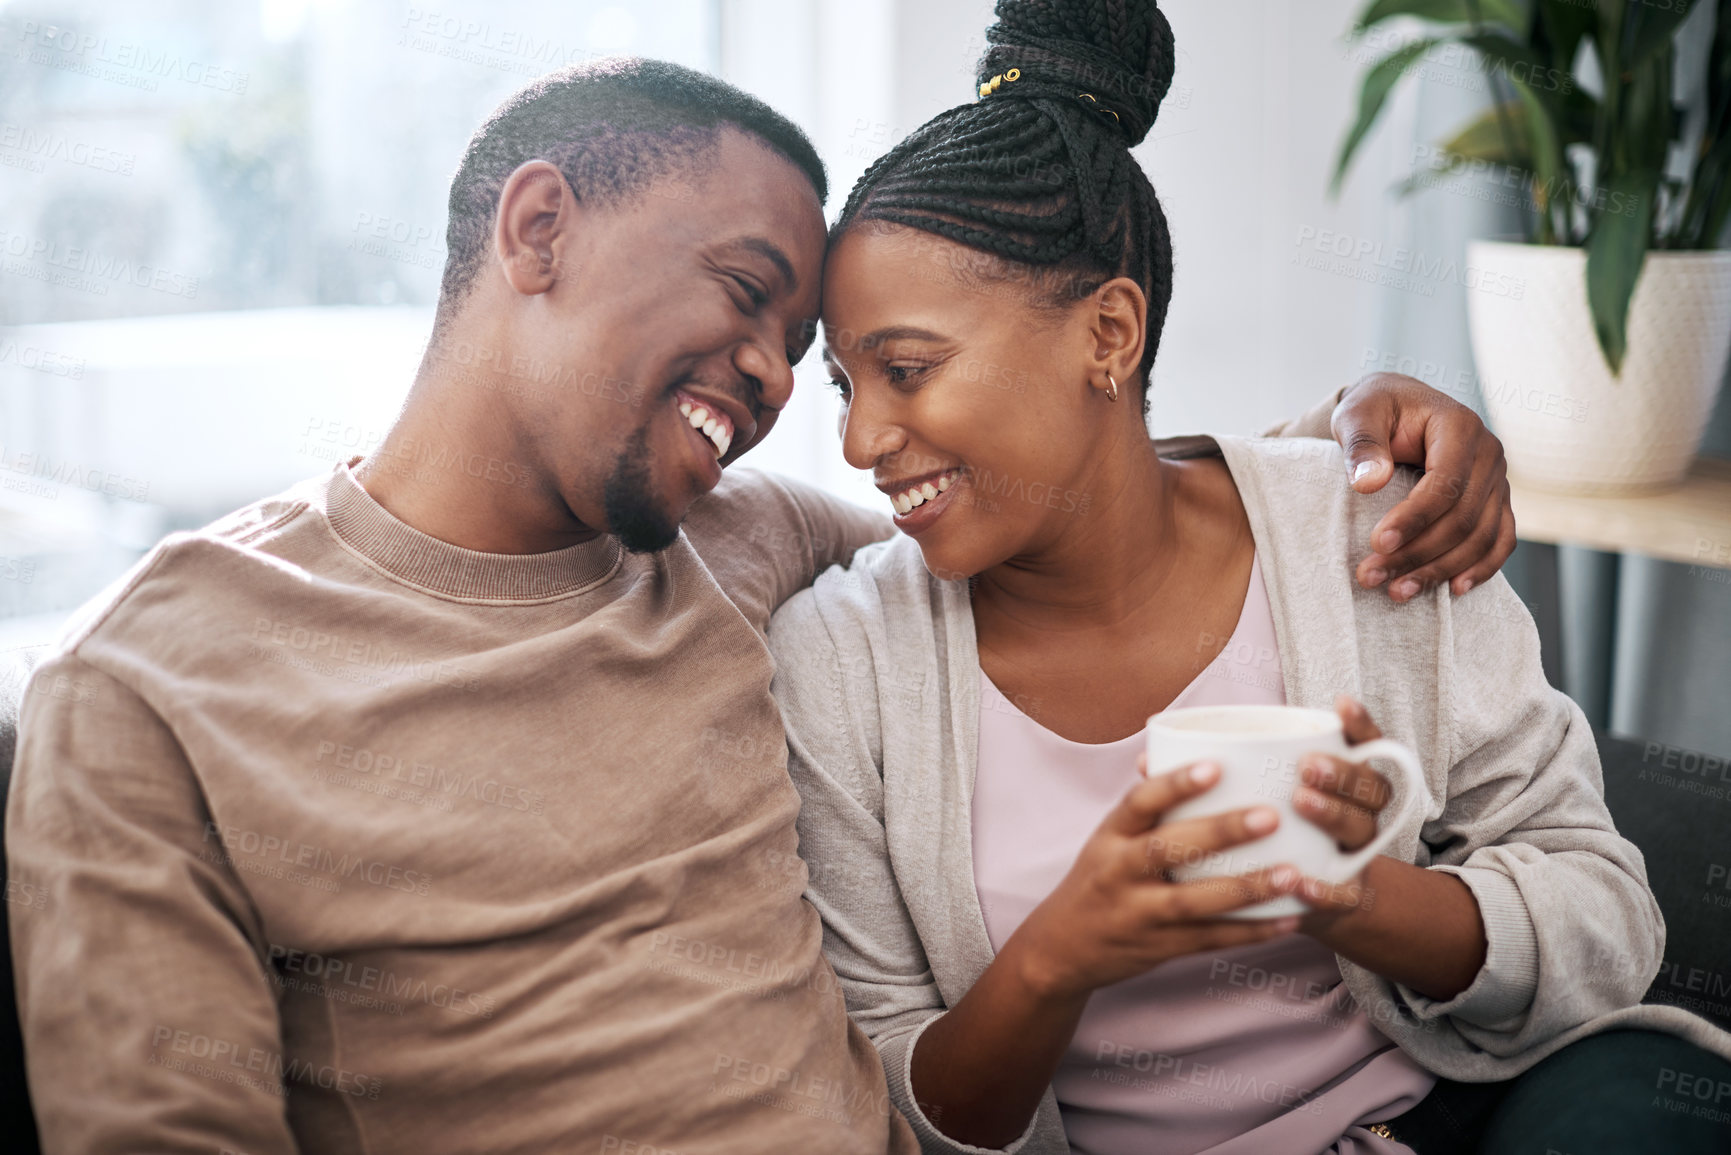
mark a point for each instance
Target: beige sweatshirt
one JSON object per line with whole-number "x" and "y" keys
{"x": 352, "y": 840}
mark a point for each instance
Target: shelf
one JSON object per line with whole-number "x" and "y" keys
{"x": 1690, "y": 524}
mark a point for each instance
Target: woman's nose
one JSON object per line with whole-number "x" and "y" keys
{"x": 867, "y": 433}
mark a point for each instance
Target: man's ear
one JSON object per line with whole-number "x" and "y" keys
{"x": 1119, "y": 328}
{"x": 537, "y": 211}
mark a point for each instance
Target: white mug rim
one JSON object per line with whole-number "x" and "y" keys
{"x": 1328, "y": 722}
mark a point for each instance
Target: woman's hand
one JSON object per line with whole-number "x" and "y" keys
{"x": 1118, "y": 914}
{"x": 1457, "y": 525}
{"x": 1344, "y": 799}
{"x": 1411, "y": 925}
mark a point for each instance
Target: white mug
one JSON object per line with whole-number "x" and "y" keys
{"x": 1258, "y": 749}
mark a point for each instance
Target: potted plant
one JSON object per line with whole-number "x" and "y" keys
{"x": 1600, "y": 373}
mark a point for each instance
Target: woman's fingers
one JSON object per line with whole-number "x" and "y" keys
{"x": 1196, "y": 841}
{"x": 1351, "y": 824}
{"x": 1355, "y": 721}
{"x": 1209, "y": 898}
{"x": 1143, "y": 804}
{"x": 1226, "y": 933}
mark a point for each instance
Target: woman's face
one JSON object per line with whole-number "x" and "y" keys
{"x": 963, "y": 393}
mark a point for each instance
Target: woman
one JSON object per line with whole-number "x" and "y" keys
{"x": 966, "y": 704}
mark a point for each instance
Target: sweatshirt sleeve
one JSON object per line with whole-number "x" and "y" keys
{"x": 149, "y": 1021}
{"x": 1572, "y": 928}
{"x": 836, "y": 528}
{"x": 868, "y": 934}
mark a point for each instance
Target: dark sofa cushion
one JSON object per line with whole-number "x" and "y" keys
{"x": 1675, "y": 804}
{"x": 20, "y": 1124}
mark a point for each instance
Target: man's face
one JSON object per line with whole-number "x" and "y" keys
{"x": 693, "y": 299}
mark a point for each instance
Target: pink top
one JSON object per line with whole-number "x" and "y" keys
{"x": 1243, "y": 1052}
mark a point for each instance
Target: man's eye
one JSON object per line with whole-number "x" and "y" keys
{"x": 755, "y": 295}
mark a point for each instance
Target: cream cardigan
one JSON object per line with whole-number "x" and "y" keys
{"x": 878, "y": 682}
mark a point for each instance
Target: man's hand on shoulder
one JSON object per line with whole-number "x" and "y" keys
{"x": 1457, "y": 525}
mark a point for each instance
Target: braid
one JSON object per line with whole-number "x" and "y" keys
{"x": 1035, "y": 174}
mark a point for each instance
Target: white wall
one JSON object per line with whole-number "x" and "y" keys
{"x": 1240, "y": 157}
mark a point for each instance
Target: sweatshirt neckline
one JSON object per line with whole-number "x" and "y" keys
{"x": 440, "y": 567}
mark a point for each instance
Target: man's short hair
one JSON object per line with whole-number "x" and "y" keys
{"x": 616, "y": 128}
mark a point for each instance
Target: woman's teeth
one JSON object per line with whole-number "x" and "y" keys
{"x": 917, "y": 495}
{"x": 714, "y": 428}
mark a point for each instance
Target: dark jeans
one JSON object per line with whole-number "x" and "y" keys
{"x": 1614, "y": 1093}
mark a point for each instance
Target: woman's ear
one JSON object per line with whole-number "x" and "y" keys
{"x": 1119, "y": 330}
{"x": 537, "y": 211}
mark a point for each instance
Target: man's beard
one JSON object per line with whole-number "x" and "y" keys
{"x": 629, "y": 503}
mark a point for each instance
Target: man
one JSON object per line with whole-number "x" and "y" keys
{"x": 440, "y": 803}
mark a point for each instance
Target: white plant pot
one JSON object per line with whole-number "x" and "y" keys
{"x": 1566, "y": 423}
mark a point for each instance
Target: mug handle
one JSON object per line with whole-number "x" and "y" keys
{"x": 1418, "y": 790}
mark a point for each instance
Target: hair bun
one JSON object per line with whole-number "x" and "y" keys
{"x": 1118, "y": 51}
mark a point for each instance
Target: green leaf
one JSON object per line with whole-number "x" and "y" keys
{"x": 1615, "y": 252}
{"x": 1506, "y": 12}
{"x": 1566, "y": 23}
{"x": 1484, "y": 138}
{"x": 1518, "y": 62}
{"x": 1377, "y": 84}
{"x": 1550, "y": 175}
{"x": 1650, "y": 29}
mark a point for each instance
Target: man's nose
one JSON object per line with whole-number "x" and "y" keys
{"x": 774, "y": 376}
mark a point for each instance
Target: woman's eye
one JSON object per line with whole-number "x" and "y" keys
{"x": 902, "y": 374}
{"x": 839, "y": 384}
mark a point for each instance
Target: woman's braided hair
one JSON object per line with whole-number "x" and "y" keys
{"x": 1036, "y": 174}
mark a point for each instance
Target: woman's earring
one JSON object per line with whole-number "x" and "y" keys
{"x": 1111, "y": 388}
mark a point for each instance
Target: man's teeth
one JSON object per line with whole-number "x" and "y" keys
{"x": 917, "y": 495}
{"x": 712, "y": 427}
